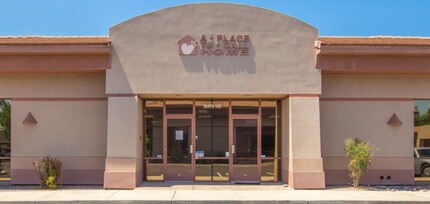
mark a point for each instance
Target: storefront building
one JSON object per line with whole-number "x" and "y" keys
{"x": 212, "y": 92}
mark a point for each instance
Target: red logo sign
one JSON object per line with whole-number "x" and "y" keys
{"x": 234, "y": 45}
{"x": 187, "y": 46}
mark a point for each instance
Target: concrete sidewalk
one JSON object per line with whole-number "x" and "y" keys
{"x": 197, "y": 193}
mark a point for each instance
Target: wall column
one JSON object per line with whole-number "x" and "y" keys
{"x": 124, "y": 143}
{"x": 305, "y": 167}
{"x": 285, "y": 123}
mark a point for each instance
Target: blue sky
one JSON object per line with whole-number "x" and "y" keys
{"x": 331, "y": 17}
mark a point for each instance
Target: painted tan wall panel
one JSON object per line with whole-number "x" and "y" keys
{"x": 145, "y": 53}
{"x": 285, "y": 120}
{"x": 122, "y": 164}
{"x": 376, "y": 86}
{"x": 19, "y": 162}
{"x": 304, "y": 127}
{"x": 52, "y": 85}
{"x": 304, "y": 147}
{"x": 393, "y": 163}
{"x": 123, "y": 127}
{"x": 367, "y": 120}
{"x": 70, "y": 176}
{"x": 140, "y": 131}
{"x": 139, "y": 144}
{"x": 64, "y": 128}
{"x": 372, "y": 177}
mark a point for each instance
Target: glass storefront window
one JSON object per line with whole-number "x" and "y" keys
{"x": 270, "y": 170}
{"x": 421, "y": 139}
{"x": 154, "y": 129}
{"x": 269, "y": 136}
{"x": 421, "y": 122}
{"x": 244, "y": 107}
{"x": 179, "y": 107}
{"x": 154, "y": 170}
{"x": 211, "y": 140}
{"x": 212, "y": 170}
{"x": 5, "y": 169}
{"x": 203, "y": 170}
{"x": 212, "y": 121}
{"x": 220, "y": 170}
{"x": 5, "y": 138}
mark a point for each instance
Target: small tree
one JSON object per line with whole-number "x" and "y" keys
{"x": 360, "y": 154}
{"x": 49, "y": 171}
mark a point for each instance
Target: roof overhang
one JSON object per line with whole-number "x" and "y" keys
{"x": 58, "y": 55}
{"x": 374, "y": 55}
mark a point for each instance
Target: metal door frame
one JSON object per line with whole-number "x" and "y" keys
{"x": 192, "y": 138}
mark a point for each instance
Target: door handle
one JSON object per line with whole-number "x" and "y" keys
{"x": 191, "y": 148}
{"x": 232, "y": 149}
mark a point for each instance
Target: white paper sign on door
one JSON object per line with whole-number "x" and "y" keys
{"x": 179, "y": 134}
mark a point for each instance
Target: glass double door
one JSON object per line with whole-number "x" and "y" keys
{"x": 242, "y": 152}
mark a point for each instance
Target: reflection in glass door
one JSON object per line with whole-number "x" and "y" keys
{"x": 179, "y": 150}
{"x": 245, "y": 150}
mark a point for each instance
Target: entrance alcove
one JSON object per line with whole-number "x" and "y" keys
{"x": 148, "y": 65}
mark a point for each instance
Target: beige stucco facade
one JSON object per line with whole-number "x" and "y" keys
{"x": 368, "y": 120}
{"x": 70, "y": 110}
{"x": 91, "y": 113}
{"x": 264, "y": 71}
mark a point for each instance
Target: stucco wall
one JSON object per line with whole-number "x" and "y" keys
{"x": 52, "y": 85}
{"x": 146, "y": 60}
{"x": 360, "y": 106}
{"x": 285, "y": 131}
{"x": 367, "y": 120}
{"x": 376, "y": 86}
{"x": 305, "y": 162}
{"x": 64, "y": 128}
{"x": 74, "y": 131}
{"x": 71, "y": 110}
{"x": 123, "y": 167}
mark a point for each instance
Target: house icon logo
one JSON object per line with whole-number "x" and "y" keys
{"x": 187, "y": 46}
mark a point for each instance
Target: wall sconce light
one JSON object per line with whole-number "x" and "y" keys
{"x": 394, "y": 120}
{"x": 29, "y": 120}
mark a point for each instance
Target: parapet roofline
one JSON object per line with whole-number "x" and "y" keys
{"x": 325, "y": 40}
{"x": 53, "y": 40}
{"x": 374, "y": 40}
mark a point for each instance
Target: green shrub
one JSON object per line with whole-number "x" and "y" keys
{"x": 360, "y": 154}
{"x": 49, "y": 171}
